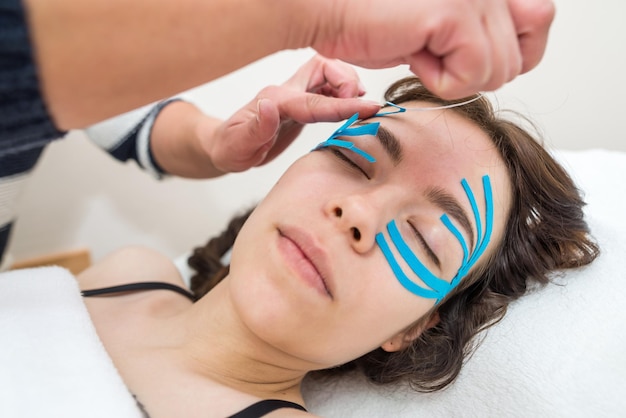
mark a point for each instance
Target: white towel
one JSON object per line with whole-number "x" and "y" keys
{"x": 52, "y": 363}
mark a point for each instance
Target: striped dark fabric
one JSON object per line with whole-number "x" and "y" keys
{"x": 24, "y": 120}
{"x": 26, "y": 126}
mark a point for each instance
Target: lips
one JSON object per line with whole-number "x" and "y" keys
{"x": 305, "y": 257}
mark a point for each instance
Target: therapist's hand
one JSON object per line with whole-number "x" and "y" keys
{"x": 457, "y": 47}
{"x": 322, "y": 90}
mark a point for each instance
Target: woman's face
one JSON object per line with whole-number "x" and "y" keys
{"x": 307, "y": 274}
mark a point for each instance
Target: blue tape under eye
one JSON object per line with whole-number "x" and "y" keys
{"x": 429, "y": 279}
{"x": 439, "y": 288}
{"x": 397, "y": 270}
{"x": 347, "y": 130}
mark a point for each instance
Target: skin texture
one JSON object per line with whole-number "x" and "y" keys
{"x": 100, "y": 58}
{"x": 220, "y": 354}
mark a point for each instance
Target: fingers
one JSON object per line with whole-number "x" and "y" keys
{"x": 245, "y": 138}
{"x": 457, "y": 47}
{"x": 479, "y": 52}
{"x": 265, "y": 126}
{"x": 532, "y": 19}
{"x": 508, "y": 39}
{"x": 329, "y": 77}
{"x": 486, "y": 51}
{"x": 253, "y": 146}
{"x": 342, "y": 78}
{"x": 322, "y": 90}
{"x": 310, "y": 108}
{"x": 507, "y": 58}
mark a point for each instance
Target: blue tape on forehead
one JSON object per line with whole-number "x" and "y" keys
{"x": 398, "y": 109}
{"x": 402, "y": 109}
{"x": 439, "y": 288}
{"x": 348, "y": 130}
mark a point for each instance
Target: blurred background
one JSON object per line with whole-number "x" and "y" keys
{"x": 80, "y": 198}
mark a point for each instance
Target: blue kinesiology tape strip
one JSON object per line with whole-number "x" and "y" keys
{"x": 482, "y": 240}
{"x": 397, "y": 270}
{"x": 448, "y": 223}
{"x": 348, "y": 145}
{"x": 402, "y": 109}
{"x": 438, "y": 285}
{"x": 439, "y": 288}
{"x": 398, "y": 109}
{"x": 347, "y": 130}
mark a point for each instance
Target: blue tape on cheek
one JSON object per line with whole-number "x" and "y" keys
{"x": 397, "y": 270}
{"x": 439, "y": 288}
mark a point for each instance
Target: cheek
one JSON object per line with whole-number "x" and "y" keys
{"x": 381, "y": 305}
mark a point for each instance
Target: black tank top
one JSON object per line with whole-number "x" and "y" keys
{"x": 256, "y": 410}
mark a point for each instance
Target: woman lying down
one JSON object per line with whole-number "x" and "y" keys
{"x": 387, "y": 248}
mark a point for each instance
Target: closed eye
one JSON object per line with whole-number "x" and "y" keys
{"x": 429, "y": 251}
{"x": 348, "y": 161}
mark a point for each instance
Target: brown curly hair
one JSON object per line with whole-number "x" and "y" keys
{"x": 545, "y": 232}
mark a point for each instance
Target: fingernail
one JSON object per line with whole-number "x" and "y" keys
{"x": 372, "y": 102}
{"x": 258, "y": 110}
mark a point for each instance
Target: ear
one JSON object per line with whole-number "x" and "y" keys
{"x": 403, "y": 339}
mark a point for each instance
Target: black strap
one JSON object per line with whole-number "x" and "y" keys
{"x": 265, "y": 406}
{"x": 133, "y": 287}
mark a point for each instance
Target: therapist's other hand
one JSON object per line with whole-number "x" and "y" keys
{"x": 457, "y": 47}
{"x": 322, "y": 90}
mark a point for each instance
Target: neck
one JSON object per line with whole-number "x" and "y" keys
{"x": 213, "y": 343}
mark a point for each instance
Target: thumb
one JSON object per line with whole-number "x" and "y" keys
{"x": 264, "y": 127}
{"x": 253, "y": 145}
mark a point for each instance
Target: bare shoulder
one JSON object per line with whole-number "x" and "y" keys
{"x": 130, "y": 264}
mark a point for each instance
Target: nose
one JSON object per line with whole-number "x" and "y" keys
{"x": 358, "y": 217}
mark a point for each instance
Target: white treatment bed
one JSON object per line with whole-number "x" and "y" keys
{"x": 559, "y": 352}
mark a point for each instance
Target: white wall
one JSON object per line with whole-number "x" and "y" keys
{"x": 81, "y": 197}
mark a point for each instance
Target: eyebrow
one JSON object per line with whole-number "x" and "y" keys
{"x": 450, "y": 205}
{"x": 390, "y": 143}
{"x": 435, "y": 195}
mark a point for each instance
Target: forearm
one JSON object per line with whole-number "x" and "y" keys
{"x": 175, "y": 141}
{"x": 100, "y": 58}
